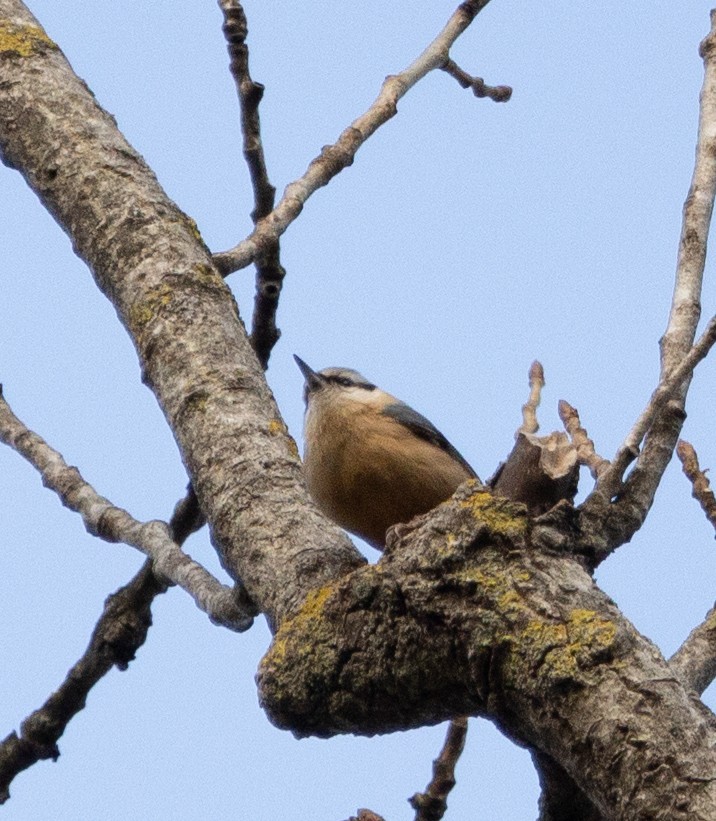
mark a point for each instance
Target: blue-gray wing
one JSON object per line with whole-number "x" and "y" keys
{"x": 424, "y": 428}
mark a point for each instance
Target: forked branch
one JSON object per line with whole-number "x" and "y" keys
{"x": 660, "y": 423}
{"x": 334, "y": 158}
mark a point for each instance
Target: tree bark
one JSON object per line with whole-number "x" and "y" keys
{"x": 463, "y": 616}
{"x": 476, "y": 609}
{"x": 148, "y": 258}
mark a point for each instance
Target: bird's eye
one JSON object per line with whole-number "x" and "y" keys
{"x": 344, "y": 382}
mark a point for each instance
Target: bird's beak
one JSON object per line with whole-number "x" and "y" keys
{"x": 313, "y": 380}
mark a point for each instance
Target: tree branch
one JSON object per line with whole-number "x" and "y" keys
{"x": 499, "y": 94}
{"x": 586, "y": 453}
{"x": 671, "y": 383}
{"x": 661, "y": 422}
{"x": 463, "y": 616}
{"x": 540, "y": 471}
{"x": 561, "y": 799}
{"x": 701, "y": 488}
{"x": 120, "y": 631}
{"x": 334, "y": 158}
{"x": 148, "y": 258}
{"x": 529, "y": 409}
{"x": 113, "y": 524}
{"x": 695, "y": 661}
{"x": 431, "y": 805}
{"x": 269, "y": 271}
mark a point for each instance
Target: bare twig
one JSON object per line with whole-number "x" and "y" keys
{"x": 670, "y": 386}
{"x": 694, "y": 663}
{"x": 366, "y": 815}
{"x": 529, "y": 409}
{"x": 499, "y": 94}
{"x": 113, "y": 524}
{"x": 701, "y": 488}
{"x": 659, "y": 427}
{"x": 586, "y": 453}
{"x": 120, "y": 631}
{"x": 334, "y": 158}
{"x": 269, "y": 271}
{"x": 432, "y": 804}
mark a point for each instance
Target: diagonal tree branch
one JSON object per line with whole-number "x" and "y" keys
{"x": 147, "y": 257}
{"x": 586, "y": 453}
{"x": 334, "y": 158}
{"x": 661, "y": 422}
{"x": 269, "y": 271}
{"x": 120, "y": 631}
{"x": 695, "y": 661}
{"x": 671, "y": 384}
{"x": 113, "y": 524}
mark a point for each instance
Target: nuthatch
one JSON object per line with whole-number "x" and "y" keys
{"x": 370, "y": 460}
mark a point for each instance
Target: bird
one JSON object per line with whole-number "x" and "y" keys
{"x": 371, "y": 461}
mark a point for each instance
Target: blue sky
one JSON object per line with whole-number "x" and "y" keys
{"x": 468, "y": 239}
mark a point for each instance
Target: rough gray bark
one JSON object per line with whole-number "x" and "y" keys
{"x": 477, "y": 609}
{"x": 147, "y": 257}
{"x": 463, "y": 616}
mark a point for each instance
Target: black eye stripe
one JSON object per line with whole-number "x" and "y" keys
{"x": 347, "y": 382}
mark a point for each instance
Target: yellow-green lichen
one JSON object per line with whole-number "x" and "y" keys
{"x": 305, "y": 623}
{"x": 503, "y": 518}
{"x": 23, "y": 40}
{"x": 563, "y": 650}
{"x": 194, "y": 229}
{"x": 143, "y": 311}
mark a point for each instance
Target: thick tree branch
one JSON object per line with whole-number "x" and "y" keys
{"x": 561, "y": 799}
{"x": 269, "y": 271}
{"x": 113, "y": 524}
{"x": 463, "y": 616}
{"x": 148, "y": 258}
{"x": 334, "y": 158}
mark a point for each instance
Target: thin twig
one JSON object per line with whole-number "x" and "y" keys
{"x": 586, "y": 452}
{"x": 113, "y": 524}
{"x": 700, "y": 486}
{"x": 529, "y": 409}
{"x": 499, "y": 94}
{"x": 269, "y": 271}
{"x": 694, "y": 663}
{"x": 120, "y": 631}
{"x": 669, "y": 387}
{"x": 432, "y": 804}
{"x": 334, "y": 158}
